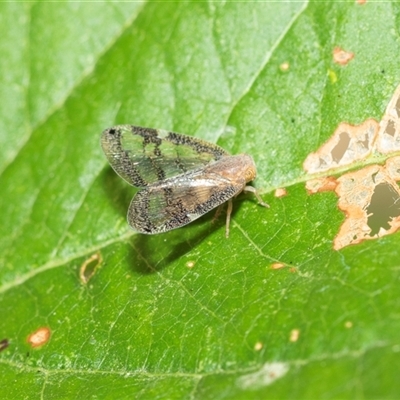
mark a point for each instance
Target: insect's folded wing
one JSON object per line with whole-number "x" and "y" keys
{"x": 143, "y": 156}
{"x": 160, "y": 208}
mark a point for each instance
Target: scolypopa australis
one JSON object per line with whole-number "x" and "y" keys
{"x": 180, "y": 177}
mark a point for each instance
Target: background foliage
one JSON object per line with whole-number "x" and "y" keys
{"x": 189, "y": 314}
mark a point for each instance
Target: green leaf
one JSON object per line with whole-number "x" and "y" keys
{"x": 190, "y": 314}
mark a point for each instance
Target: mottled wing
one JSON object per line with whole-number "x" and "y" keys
{"x": 143, "y": 156}
{"x": 177, "y": 202}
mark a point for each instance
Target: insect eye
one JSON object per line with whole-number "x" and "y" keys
{"x": 250, "y": 174}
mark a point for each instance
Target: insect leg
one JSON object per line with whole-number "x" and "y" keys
{"x": 254, "y": 191}
{"x": 217, "y": 213}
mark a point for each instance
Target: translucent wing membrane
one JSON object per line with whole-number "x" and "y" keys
{"x": 179, "y": 201}
{"x": 181, "y": 177}
{"x": 143, "y": 156}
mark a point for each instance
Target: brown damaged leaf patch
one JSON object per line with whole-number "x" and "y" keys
{"x": 370, "y": 197}
{"x": 277, "y": 265}
{"x": 40, "y": 337}
{"x": 349, "y": 143}
{"x": 342, "y": 57}
{"x": 280, "y": 192}
{"x": 89, "y": 267}
{"x": 325, "y": 184}
{"x": 388, "y": 138}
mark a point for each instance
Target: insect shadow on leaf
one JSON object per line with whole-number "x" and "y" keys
{"x": 150, "y": 254}
{"x": 118, "y": 192}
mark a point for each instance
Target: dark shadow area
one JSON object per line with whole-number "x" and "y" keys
{"x": 152, "y": 253}
{"x": 119, "y": 192}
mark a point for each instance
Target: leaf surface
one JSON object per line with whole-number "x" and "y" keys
{"x": 189, "y": 314}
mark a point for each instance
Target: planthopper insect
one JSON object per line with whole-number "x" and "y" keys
{"x": 180, "y": 177}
